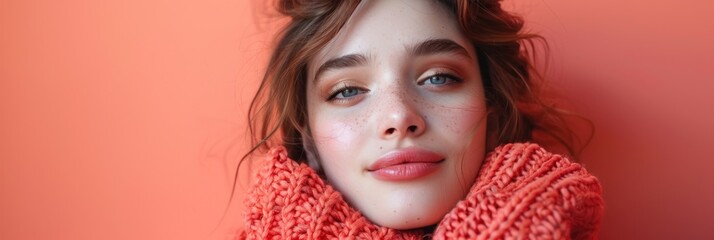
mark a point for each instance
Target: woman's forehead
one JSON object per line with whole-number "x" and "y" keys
{"x": 382, "y": 29}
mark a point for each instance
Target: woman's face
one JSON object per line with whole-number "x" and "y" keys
{"x": 397, "y": 112}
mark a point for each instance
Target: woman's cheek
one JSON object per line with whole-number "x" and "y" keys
{"x": 469, "y": 111}
{"x": 469, "y": 120}
{"x": 335, "y": 138}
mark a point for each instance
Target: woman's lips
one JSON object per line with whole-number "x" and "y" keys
{"x": 405, "y": 164}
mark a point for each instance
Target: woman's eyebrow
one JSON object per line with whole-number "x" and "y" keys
{"x": 345, "y": 61}
{"x": 438, "y": 46}
{"x": 427, "y": 47}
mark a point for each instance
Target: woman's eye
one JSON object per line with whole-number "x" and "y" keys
{"x": 439, "y": 79}
{"x": 436, "y": 80}
{"x": 346, "y": 92}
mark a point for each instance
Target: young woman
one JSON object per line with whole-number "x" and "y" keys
{"x": 403, "y": 119}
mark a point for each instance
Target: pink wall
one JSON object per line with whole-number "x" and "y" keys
{"x": 642, "y": 71}
{"x": 117, "y": 118}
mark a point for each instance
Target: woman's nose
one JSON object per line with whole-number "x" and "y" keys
{"x": 400, "y": 119}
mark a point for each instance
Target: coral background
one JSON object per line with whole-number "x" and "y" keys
{"x": 126, "y": 119}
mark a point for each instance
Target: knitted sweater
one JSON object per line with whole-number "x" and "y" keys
{"x": 522, "y": 191}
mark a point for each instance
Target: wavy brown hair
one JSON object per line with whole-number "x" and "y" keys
{"x": 278, "y": 112}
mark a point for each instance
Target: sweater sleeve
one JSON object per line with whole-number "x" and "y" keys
{"x": 523, "y": 191}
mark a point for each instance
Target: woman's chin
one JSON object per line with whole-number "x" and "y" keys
{"x": 406, "y": 215}
{"x": 399, "y": 222}
{"x": 410, "y": 204}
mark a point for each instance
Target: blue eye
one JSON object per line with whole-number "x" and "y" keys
{"x": 439, "y": 79}
{"x": 346, "y": 92}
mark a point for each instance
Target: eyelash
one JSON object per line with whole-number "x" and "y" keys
{"x": 333, "y": 95}
{"x": 448, "y": 76}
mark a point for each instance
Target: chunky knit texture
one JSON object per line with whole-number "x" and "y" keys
{"x": 522, "y": 191}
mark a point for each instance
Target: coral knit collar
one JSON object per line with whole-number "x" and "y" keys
{"x": 522, "y": 191}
